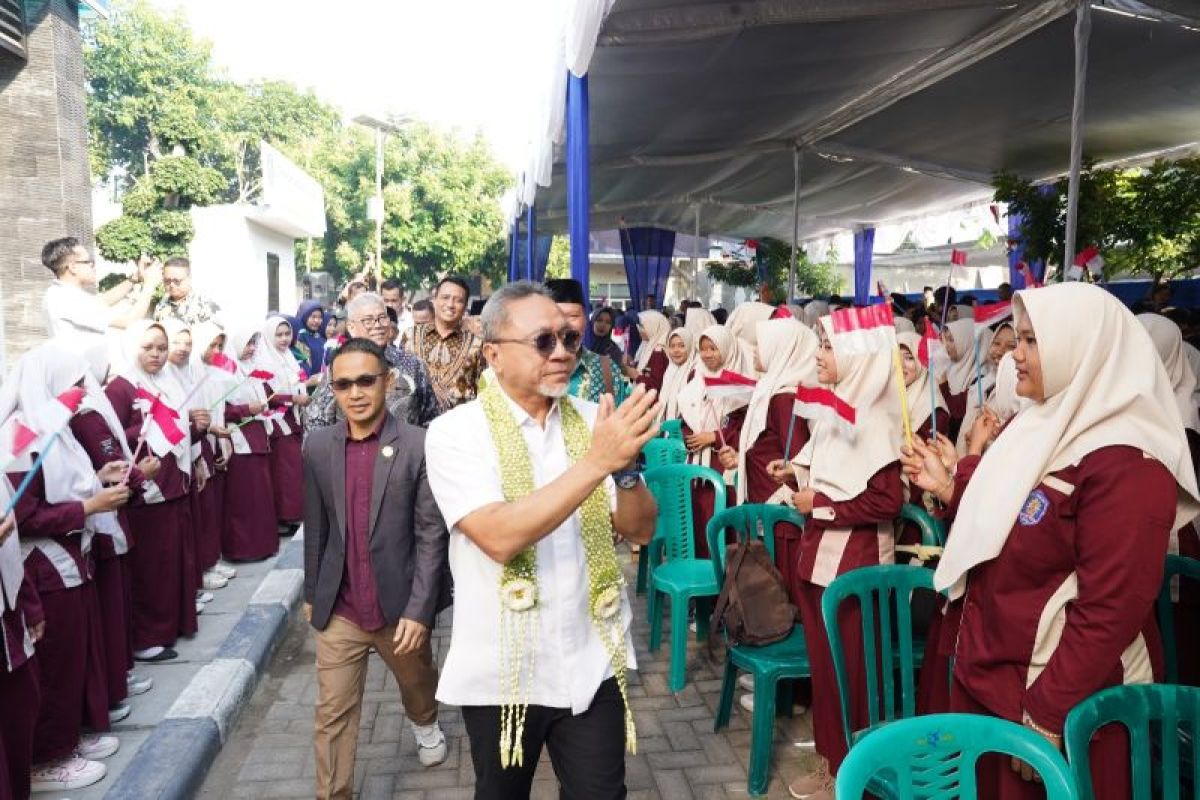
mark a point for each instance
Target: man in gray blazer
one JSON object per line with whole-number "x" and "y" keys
{"x": 374, "y": 564}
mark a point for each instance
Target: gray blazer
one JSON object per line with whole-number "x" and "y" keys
{"x": 408, "y": 539}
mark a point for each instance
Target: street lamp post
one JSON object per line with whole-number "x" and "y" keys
{"x": 375, "y": 204}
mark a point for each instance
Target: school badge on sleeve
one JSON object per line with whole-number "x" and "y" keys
{"x": 1036, "y": 506}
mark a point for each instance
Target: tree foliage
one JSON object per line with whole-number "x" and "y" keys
{"x": 813, "y": 278}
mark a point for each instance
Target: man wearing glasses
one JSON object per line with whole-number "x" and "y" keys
{"x": 75, "y": 312}
{"x": 449, "y": 351}
{"x": 374, "y": 564}
{"x": 409, "y": 398}
{"x": 181, "y": 302}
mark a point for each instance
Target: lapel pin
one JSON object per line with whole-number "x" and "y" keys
{"x": 387, "y": 451}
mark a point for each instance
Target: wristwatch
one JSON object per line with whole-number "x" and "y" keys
{"x": 627, "y": 479}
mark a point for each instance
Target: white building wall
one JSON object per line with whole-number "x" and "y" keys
{"x": 229, "y": 257}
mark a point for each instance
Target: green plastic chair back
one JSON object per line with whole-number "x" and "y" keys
{"x": 933, "y": 532}
{"x": 661, "y": 452}
{"x": 1186, "y": 569}
{"x": 888, "y": 589}
{"x": 749, "y": 519}
{"x": 935, "y": 756}
{"x": 1164, "y": 737}
{"x": 671, "y": 429}
{"x": 672, "y": 489}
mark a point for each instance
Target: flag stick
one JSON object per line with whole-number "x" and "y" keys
{"x": 932, "y": 401}
{"x": 899, "y": 368}
{"x": 237, "y": 385}
{"x": 946, "y": 294}
{"x": 195, "y": 389}
{"x": 32, "y": 471}
{"x": 787, "y": 447}
{"x": 978, "y": 373}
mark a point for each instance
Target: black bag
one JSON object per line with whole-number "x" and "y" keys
{"x": 753, "y": 606}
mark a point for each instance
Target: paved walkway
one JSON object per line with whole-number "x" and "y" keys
{"x": 269, "y": 755}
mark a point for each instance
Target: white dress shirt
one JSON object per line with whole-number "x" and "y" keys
{"x": 571, "y": 661}
{"x": 75, "y": 314}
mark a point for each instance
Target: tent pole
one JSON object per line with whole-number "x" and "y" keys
{"x": 791, "y": 290}
{"x": 1083, "y": 28}
{"x": 578, "y": 201}
{"x": 696, "y": 257}
{"x": 531, "y": 243}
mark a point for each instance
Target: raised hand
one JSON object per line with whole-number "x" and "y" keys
{"x": 780, "y": 471}
{"x": 923, "y": 467}
{"x": 728, "y": 457}
{"x": 112, "y": 472}
{"x": 149, "y": 467}
{"x": 620, "y": 433}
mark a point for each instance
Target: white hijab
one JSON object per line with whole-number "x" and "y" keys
{"x": 167, "y": 383}
{"x": 12, "y": 565}
{"x": 813, "y": 313}
{"x": 742, "y": 323}
{"x": 1005, "y": 403}
{"x": 983, "y": 380}
{"x": 694, "y": 406}
{"x": 676, "y": 376}
{"x": 962, "y": 366}
{"x": 919, "y": 408}
{"x": 249, "y": 390}
{"x": 840, "y": 466}
{"x": 904, "y": 325}
{"x": 1103, "y": 389}
{"x": 1193, "y": 358}
{"x": 218, "y": 380}
{"x": 1168, "y": 341}
{"x": 788, "y": 353}
{"x": 696, "y": 321}
{"x": 97, "y": 357}
{"x": 280, "y": 363}
{"x": 657, "y": 328}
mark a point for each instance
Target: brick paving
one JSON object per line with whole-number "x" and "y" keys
{"x": 269, "y": 754}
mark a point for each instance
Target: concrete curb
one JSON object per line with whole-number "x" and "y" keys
{"x": 172, "y": 762}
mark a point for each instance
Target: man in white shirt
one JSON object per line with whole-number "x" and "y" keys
{"x": 75, "y": 312}
{"x": 393, "y": 297}
{"x": 573, "y": 681}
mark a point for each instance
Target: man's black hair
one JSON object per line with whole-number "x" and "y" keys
{"x": 360, "y": 345}
{"x": 455, "y": 280}
{"x": 393, "y": 315}
{"x": 390, "y": 284}
{"x": 56, "y": 252}
{"x": 180, "y": 262}
{"x": 423, "y": 305}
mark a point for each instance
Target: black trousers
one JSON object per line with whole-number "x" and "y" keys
{"x": 587, "y": 751}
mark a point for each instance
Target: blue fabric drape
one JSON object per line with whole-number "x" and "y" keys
{"x": 647, "y": 253}
{"x": 578, "y": 178}
{"x": 1016, "y": 254}
{"x": 531, "y": 242}
{"x": 514, "y": 252}
{"x": 541, "y": 257}
{"x": 864, "y": 245}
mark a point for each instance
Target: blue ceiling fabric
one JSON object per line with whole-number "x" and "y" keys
{"x": 514, "y": 252}
{"x": 647, "y": 253}
{"x": 864, "y": 249}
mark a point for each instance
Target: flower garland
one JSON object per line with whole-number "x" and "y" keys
{"x": 518, "y": 588}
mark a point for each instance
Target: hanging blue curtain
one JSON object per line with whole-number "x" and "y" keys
{"x": 578, "y": 180}
{"x": 647, "y": 253}
{"x": 1016, "y": 254}
{"x": 864, "y": 244}
{"x": 541, "y": 257}
{"x": 514, "y": 252}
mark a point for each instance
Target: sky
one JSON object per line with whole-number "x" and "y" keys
{"x": 455, "y": 63}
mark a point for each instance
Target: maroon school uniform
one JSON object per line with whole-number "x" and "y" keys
{"x": 1067, "y": 607}
{"x": 956, "y": 405}
{"x": 703, "y": 505}
{"x": 162, "y": 560}
{"x": 205, "y": 519}
{"x": 768, "y": 447}
{"x": 1187, "y": 608}
{"x": 287, "y": 473}
{"x": 839, "y": 537}
{"x": 652, "y": 376}
{"x": 20, "y": 693}
{"x": 249, "y": 532}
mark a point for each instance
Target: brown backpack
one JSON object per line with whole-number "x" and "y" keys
{"x": 753, "y": 606}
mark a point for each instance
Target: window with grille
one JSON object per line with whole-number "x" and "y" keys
{"x": 12, "y": 27}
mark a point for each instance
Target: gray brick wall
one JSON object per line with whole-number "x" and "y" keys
{"x": 45, "y": 188}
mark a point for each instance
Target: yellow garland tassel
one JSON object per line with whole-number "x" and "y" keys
{"x": 519, "y": 624}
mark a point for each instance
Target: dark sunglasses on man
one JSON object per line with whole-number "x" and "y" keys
{"x": 362, "y": 381}
{"x": 546, "y": 341}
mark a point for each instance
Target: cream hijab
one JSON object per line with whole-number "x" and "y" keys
{"x": 962, "y": 366}
{"x": 742, "y": 324}
{"x": 1005, "y": 403}
{"x": 694, "y": 407}
{"x": 697, "y": 321}
{"x": 987, "y": 379}
{"x": 919, "y": 409}
{"x": 676, "y": 376}
{"x": 1168, "y": 340}
{"x": 788, "y": 353}
{"x": 219, "y": 381}
{"x": 280, "y": 363}
{"x": 1107, "y": 388}
{"x": 840, "y": 467}
{"x": 904, "y": 325}
{"x": 188, "y": 375}
{"x": 167, "y": 383}
{"x": 813, "y": 313}
{"x": 657, "y": 328}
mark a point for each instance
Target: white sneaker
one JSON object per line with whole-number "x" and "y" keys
{"x": 66, "y": 774}
{"x": 95, "y": 746}
{"x": 199, "y": 608}
{"x": 431, "y": 744}
{"x": 118, "y": 712}
{"x": 746, "y": 681}
{"x": 204, "y": 597}
{"x": 214, "y": 580}
{"x": 138, "y": 684}
{"x": 225, "y": 570}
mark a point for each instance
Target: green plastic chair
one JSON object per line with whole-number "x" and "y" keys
{"x": 933, "y": 532}
{"x": 674, "y": 569}
{"x": 657, "y": 453}
{"x": 1161, "y": 766}
{"x": 769, "y": 664}
{"x": 888, "y": 589}
{"x": 671, "y": 429}
{"x": 1187, "y": 569}
{"x": 935, "y": 756}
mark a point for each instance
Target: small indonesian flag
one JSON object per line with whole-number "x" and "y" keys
{"x": 822, "y": 405}
{"x": 958, "y": 257}
{"x": 728, "y": 385}
{"x": 782, "y": 312}
{"x": 16, "y": 440}
{"x": 1089, "y": 260}
{"x": 1031, "y": 282}
{"x": 224, "y": 363}
{"x": 880, "y": 289}
{"x": 928, "y": 341}
{"x": 864, "y": 330}
{"x": 992, "y": 313}
{"x": 303, "y": 376}
{"x": 160, "y": 427}
{"x": 262, "y": 375}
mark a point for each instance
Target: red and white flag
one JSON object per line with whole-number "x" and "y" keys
{"x": 958, "y": 257}
{"x": 224, "y": 363}
{"x": 160, "y": 428}
{"x": 1031, "y": 282}
{"x": 16, "y": 440}
{"x": 1089, "y": 260}
{"x": 728, "y": 385}
{"x": 782, "y": 312}
{"x": 262, "y": 375}
{"x": 992, "y": 313}
{"x": 822, "y": 405}
{"x": 864, "y": 330}
{"x": 19, "y": 439}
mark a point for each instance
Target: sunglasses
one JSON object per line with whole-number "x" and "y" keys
{"x": 546, "y": 341}
{"x": 362, "y": 382}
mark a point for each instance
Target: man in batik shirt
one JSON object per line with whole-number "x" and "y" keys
{"x": 594, "y": 374}
{"x": 180, "y": 301}
{"x": 448, "y": 350}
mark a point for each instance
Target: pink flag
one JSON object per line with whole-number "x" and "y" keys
{"x": 822, "y": 405}
{"x": 958, "y": 257}
{"x": 224, "y": 363}
{"x": 992, "y": 313}
{"x": 1089, "y": 260}
{"x": 262, "y": 375}
{"x": 160, "y": 429}
{"x": 728, "y": 384}
{"x": 16, "y": 440}
{"x": 782, "y": 312}
{"x": 864, "y": 330}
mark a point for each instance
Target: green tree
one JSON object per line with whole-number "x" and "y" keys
{"x": 813, "y": 278}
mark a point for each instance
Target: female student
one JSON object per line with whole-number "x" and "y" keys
{"x": 64, "y": 504}
{"x": 248, "y": 532}
{"x": 162, "y": 559}
{"x": 681, "y": 350}
{"x": 958, "y": 337}
{"x": 742, "y": 324}
{"x": 993, "y": 344}
{"x": 21, "y": 626}
{"x": 1061, "y": 528}
{"x": 652, "y": 360}
{"x": 310, "y": 335}
{"x": 286, "y": 395}
{"x": 851, "y": 499}
{"x": 208, "y": 359}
